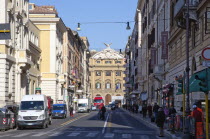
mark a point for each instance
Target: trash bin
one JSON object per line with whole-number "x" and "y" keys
{"x": 12, "y": 120}
{"x": 4, "y": 119}
{"x": 14, "y": 109}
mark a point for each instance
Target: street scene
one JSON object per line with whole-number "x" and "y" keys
{"x": 117, "y": 125}
{"x": 136, "y": 69}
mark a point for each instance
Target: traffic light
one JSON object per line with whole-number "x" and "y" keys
{"x": 180, "y": 86}
{"x": 202, "y": 81}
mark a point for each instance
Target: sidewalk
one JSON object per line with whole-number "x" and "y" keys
{"x": 148, "y": 122}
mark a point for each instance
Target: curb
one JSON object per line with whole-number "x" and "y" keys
{"x": 172, "y": 136}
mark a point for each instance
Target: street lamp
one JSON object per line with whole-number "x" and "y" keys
{"x": 128, "y": 26}
{"x": 78, "y": 27}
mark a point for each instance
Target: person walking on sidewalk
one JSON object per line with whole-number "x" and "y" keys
{"x": 149, "y": 108}
{"x": 160, "y": 121}
{"x": 197, "y": 114}
{"x": 71, "y": 109}
{"x": 155, "y": 110}
{"x": 144, "y": 111}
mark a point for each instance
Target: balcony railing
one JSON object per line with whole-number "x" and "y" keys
{"x": 181, "y": 4}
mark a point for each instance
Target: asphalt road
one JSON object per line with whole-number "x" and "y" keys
{"x": 117, "y": 125}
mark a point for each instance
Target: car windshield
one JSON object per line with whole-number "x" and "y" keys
{"x": 98, "y": 101}
{"x": 32, "y": 105}
{"x": 82, "y": 105}
{"x": 57, "y": 107}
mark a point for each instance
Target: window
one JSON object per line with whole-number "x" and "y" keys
{"x": 98, "y": 85}
{"x": 118, "y": 73}
{"x": 98, "y": 61}
{"x": 98, "y": 73}
{"x": 117, "y": 62}
{"x": 108, "y": 85}
{"x": 108, "y": 73}
{"x": 118, "y": 86}
{"x": 108, "y": 62}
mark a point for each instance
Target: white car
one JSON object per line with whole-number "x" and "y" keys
{"x": 93, "y": 108}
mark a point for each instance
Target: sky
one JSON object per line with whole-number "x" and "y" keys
{"x": 83, "y": 11}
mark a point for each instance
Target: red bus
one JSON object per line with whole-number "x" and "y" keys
{"x": 98, "y": 102}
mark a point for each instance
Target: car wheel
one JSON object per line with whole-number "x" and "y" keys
{"x": 43, "y": 126}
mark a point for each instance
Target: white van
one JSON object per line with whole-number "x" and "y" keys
{"x": 33, "y": 111}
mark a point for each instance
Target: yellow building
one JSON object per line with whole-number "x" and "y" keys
{"x": 107, "y": 75}
{"x": 52, "y": 30}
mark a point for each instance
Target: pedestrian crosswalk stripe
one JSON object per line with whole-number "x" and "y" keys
{"x": 39, "y": 134}
{"x": 144, "y": 137}
{"x": 55, "y": 134}
{"x": 74, "y": 134}
{"x": 21, "y": 135}
{"x": 126, "y": 136}
{"x": 91, "y": 134}
{"x": 109, "y": 135}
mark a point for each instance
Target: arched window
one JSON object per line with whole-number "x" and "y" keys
{"x": 98, "y": 85}
{"x": 108, "y": 85}
{"x": 118, "y": 86}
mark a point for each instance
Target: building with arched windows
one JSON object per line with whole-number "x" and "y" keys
{"x": 107, "y": 75}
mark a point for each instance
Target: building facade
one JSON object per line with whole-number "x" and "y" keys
{"x": 52, "y": 43}
{"x": 107, "y": 75}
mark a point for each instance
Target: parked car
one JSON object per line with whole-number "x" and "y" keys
{"x": 33, "y": 112}
{"x": 93, "y": 108}
{"x": 59, "y": 111}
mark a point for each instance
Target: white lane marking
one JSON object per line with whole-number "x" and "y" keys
{"x": 91, "y": 134}
{"x": 105, "y": 124}
{"x": 74, "y": 134}
{"x": 5, "y": 135}
{"x": 55, "y": 134}
{"x": 126, "y": 136}
{"x": 109, "y": 135}
{"x": 39, "y": 134}
{"x": 21, "y": 135}
{"x": 144, "y": 137}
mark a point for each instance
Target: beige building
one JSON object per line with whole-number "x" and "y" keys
{"x": 52, "y": 43}
{"x": 107, "y": 75}
{"x": 20, "y": 55}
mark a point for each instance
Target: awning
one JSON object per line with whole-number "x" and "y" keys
{"x": 179, "y": 93}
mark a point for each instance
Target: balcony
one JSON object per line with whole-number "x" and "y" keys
{"x": 180, "y": 8}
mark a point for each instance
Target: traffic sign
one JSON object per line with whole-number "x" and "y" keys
{"x": 206, "y": 53}
{"x": 206, "y": 63}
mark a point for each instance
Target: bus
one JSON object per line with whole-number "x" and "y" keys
{"x": 98, "y": 102}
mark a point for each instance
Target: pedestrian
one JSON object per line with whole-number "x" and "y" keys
{"x": 71, "y": 109}
{"x": 149, "y": 109}
{"x": 137, "y": 107}
{"x": 103, "y": 110}
{"x": 166, "y": 111}
{"x": 172, "y": 111}
{"x": 155, "y": 110}
{"x": 197, "y": 114}
{"x": 160, "y": 121}
{"x": 144, "y": 111}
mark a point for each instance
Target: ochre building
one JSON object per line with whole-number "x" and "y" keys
{"x": 107, "y": 75}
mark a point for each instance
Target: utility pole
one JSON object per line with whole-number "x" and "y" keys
{"x": 187, "y": 66}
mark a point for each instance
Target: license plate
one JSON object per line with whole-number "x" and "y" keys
{"x": 56, "y": 114}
